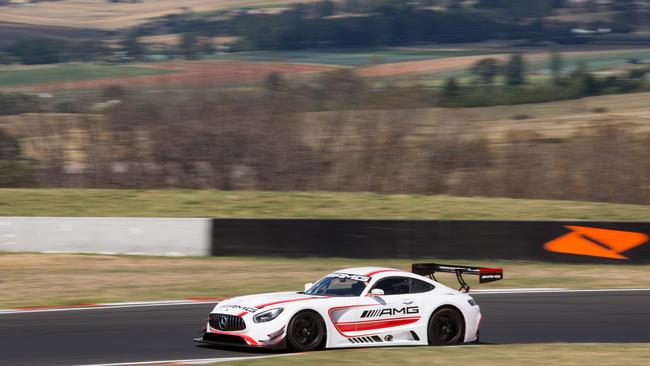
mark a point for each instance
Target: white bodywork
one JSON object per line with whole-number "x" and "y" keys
{"x": 362, "y": 321}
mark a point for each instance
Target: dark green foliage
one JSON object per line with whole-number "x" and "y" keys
{"x": 486, "y": 70}
{"x": 515, "y": 70}
{"x": 556, "y": 65}
{"x": 14, "y": 172}
{"x": 48, "y": 51}
{"x": 275, "y": 82}
{"x": 113, "y": 92}
{"x": 377, "y": 23}
{"x": 189, "y": 46}
{"x": 132, "y": 46}
{"x": 579, "y": 83}
{"x": 452, "y": 88}
{"x": 14, "y": 103}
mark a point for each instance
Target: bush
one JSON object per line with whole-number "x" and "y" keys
{"x": 14, "y": 103}
{"x": 16, "y": 173}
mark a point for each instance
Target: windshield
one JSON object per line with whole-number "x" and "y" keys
{"x": 339, "y": 284}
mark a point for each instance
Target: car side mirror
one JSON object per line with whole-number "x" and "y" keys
{"x": 308, "y": 285}
{"x": 376, "y": 292}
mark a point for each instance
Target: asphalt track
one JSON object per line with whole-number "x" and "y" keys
{"x": 136, "y": 334}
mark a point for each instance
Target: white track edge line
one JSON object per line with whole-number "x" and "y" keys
{"x": 108, "y": 306}
{"x": 198, "y": 361}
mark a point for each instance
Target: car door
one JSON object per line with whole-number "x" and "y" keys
{"x": 395, "y": 308}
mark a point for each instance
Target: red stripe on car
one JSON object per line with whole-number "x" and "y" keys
{"x": 374, "y": 324}
{"x": 250, "y": 341}
{"x": 381, "y": 271}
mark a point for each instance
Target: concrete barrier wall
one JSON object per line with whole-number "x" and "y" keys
{"x": 150, "y": 236}
{"x": 553, "y": 241}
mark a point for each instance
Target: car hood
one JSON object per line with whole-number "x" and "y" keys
{"x": 255, "y": 303}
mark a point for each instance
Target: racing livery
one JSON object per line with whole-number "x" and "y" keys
{"x": 355, "y": 307}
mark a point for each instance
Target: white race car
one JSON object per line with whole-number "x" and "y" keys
{"x": 355, "y": 307}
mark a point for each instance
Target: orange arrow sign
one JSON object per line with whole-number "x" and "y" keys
{"x": 596, "y": 242}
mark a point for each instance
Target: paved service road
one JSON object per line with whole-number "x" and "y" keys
{"x": 155, "y": 333}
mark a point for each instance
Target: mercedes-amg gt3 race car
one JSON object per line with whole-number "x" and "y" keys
{"x": 355, "y": 307}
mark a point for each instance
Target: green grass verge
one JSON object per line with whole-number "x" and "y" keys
{"x": 71, "y": 72}
{"x": 485, "y": 355}
{"x": 213, "y": 203}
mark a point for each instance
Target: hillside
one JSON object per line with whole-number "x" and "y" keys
{"x": 100, "y": 14}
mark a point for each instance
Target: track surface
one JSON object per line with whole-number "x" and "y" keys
{"x": 165, "y": 333}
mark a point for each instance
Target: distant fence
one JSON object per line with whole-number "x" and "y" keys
{"x": 563, "y": 241}
{"x": 554, "y": 241}
{"x": 149, "y": 236}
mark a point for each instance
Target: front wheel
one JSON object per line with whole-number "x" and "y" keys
{"x": 446, "y": 327}
{"x": 305, "y": 332}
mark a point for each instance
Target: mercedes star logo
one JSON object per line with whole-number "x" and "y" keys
{"x": 222, "y": 323}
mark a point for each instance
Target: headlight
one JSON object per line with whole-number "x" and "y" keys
{"x": 268, "y": 315}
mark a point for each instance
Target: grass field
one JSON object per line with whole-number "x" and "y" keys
{"x": 213, "y": 203}
{"x": 36, "y": 75}
{"x": 172, "y": 74}
{"x": 351, "y": 57}
{"x": 538, "y": 63}
{"x": 484, "y": 355}
{"x": 68, "y": 279}
{"x": 101, "y": 14}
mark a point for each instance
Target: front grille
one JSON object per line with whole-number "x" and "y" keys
{"x": 227, "y": 322}
{"x": 224, "y": 339}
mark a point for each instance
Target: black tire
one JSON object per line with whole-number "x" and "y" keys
{"x": 305, "y": 332}
{"x": 446, "y": 327}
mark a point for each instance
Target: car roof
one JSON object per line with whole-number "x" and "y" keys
{"x": 369, "y": 271}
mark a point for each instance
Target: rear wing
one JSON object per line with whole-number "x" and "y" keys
{"x": 485, "y": 274}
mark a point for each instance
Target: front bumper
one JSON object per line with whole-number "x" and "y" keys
{"x": 227, "y": 340}
{"x": 240, "y": 340}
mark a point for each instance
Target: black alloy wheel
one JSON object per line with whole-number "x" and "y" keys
{"x": 446, "y": 327}
{"x": 305, "y": 332}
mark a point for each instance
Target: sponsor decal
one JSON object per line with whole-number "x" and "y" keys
{"x": 244, "y": 308}
{"x": 493, "y": 277}
{"x": 351, "y": 277}
{"x": 390, "y": 312}
{"x": 595, "y": 242}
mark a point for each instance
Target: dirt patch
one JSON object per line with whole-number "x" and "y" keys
{"x": 187, "y": 73}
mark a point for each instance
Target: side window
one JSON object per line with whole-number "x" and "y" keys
{"x": 393, "y": 285}
{"x": 418, "y": 286}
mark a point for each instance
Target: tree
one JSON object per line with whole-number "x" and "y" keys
{"x": 275, "y": 82}
{"x": 451, "y": 88}
{"x": 132, "y": 46}
{"x": 189, "y": 46}
{"x": 9, "y": 146}
{"x": 515, "y": 70}
{"x": 486, "y": 69}
{"x": 556, "y": 65}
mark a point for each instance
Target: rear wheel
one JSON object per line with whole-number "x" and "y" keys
{"x": 305, "y": 332}
{"x": 446, "y": 327}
